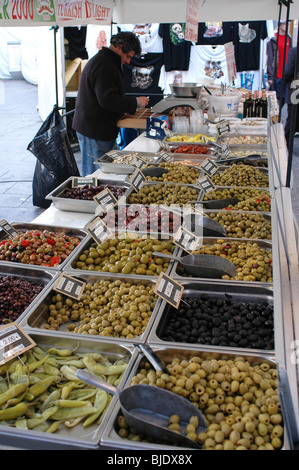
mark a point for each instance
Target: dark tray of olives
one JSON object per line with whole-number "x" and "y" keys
{"x": 80, "y": 199}
{"x": 20, "y": 288}
{"x": 218, "y": 316}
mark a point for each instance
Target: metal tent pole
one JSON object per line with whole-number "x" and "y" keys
{"x": 292, "y": 123}
{"x": 284, "y": 61}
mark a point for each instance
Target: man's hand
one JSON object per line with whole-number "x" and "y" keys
{"x": 143, "y": 101}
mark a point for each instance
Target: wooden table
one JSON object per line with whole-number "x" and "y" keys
{"x": 137, "y": 120}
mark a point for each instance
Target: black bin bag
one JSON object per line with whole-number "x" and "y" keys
{"x": 55, "y": 158}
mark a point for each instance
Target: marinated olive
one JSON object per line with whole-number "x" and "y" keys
{"x": 126, "y": 256}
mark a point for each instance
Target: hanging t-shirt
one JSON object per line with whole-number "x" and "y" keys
{"x": 247, "y": 42}
{"x": 148, "y": 35}
{"x": 176, "y": 50}
{"x": 76, "y": 38}
{"x": 214, "y": 33}
{"x": 209, "y": 62}
{"x": 142, "y": 76}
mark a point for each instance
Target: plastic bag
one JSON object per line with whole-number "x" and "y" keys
{"x": 55, "y": 158}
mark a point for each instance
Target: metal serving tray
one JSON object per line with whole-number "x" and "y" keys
{"x": 160, "y": 236}
{"x": 265, "y": 172}
{"x": 30, "y": 274}
{"x": 76, "y": 437}
{"x": 253, "y": 149}
{"x": 150, "y": 183}
{"x": 24, "y": 227}
{"x": 38, "y": 314}
{"x": 209, "y": 137}
{"x": 227, "y": 138}
{"x": 209, "y": 241}
{"x": 270, "y": 190}
{"x": 107, "y": 165}
{"x": 219, "y": 291}
{"x": 110, "y": 437}
{"x": 81, "y": 205}
{"x": 140, "y": 218}
{"x": 173, "y": 145}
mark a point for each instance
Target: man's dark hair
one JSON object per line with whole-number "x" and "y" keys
{"x": 129, "y": 41}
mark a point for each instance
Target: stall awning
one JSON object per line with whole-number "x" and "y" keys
{"x": 104, "y": 12}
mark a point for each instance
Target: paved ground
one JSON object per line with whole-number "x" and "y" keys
{"x": 19, "y": 122}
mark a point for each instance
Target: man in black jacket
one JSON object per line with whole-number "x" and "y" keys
{"x": 101, "y": 99}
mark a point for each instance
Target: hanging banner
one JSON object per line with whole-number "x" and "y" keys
{"x": 230, "y": 61}
{"x": 55, "y": 12}
{"x": 83, "y": 12}
{"x": 191, "y": 27}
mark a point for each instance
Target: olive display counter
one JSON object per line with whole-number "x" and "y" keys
{"x": 231, "y": 365}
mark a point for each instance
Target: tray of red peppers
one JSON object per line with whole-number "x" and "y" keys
{"x": 39, "y": 246}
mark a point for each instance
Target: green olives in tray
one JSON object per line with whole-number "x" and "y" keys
{"x": 165, "y": 193}
{"x": 126, "y": 254}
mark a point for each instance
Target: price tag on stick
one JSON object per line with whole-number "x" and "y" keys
{"x": 167, "y": 157}
{"x": 13, "y": 342}
{"x": 206, "y": 184}
{"x": 209, "y": 167}
{"x": 11, "y": 232}
{"x": 106, "y": 200}
{"x": 223, "y": 128}
{"x": 187, "y": 240}
{"x": 82, "y": 181}
{"x": 169, "y": 290}
{"x": 137, "y": 180}
{"x": 70, "y": 286}
{"x": 98, "y": 230}
{"x": 139, "y": 162}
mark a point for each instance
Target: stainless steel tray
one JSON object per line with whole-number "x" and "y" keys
{"x": 173, "y": 145}
{"x": 226, "y": 139}
{"x": 148, "y": 183}
{"x": 268, "y": 191}
{"x": 76, "y": 437}
{"x": 209, "y": 241}
{"x": 207, "y": 136}
{"x": 24, "y": 227}
{"x": 81, "y": 205}
{"x": 266, "y": 215}
{"x": 71, "y": 266}
{"x": 29, "y": 273}
{"x": 264, "y": 171}
{"x": 143, "y": 217}
{"x": 37, "y": 315}
{"x": 107, "y": 165}
{"x": 110, "y": 437}
{"x": 218, "y": 291}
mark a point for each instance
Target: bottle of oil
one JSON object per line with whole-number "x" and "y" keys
{"x": 248, "y": 106}
{"x": 264, "y": 104}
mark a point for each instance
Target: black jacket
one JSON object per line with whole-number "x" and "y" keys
{"x": 289, "y": 73}
{"x": 271, "y": 55}
{"x": 101, "y": 99}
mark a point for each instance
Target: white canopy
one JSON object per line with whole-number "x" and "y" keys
{"x": 103, "y": 12}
